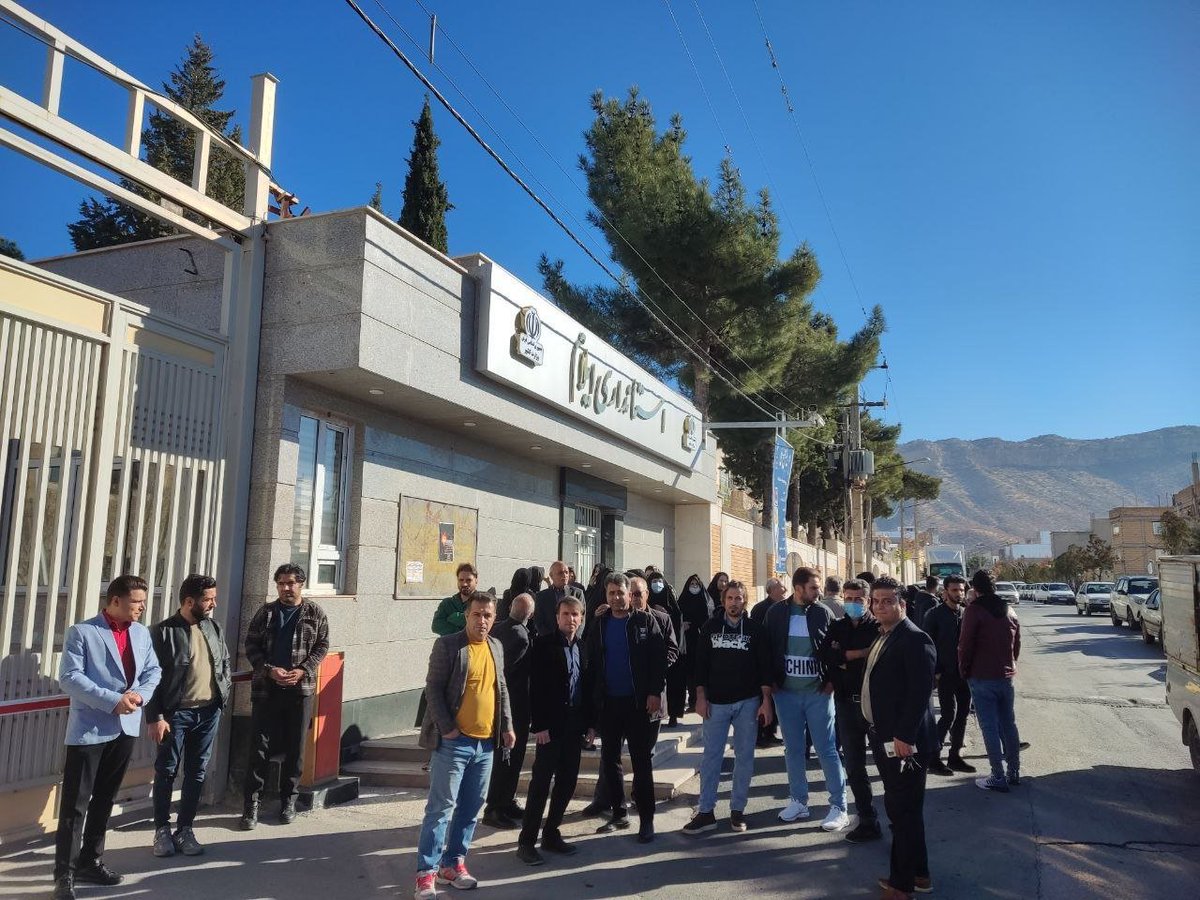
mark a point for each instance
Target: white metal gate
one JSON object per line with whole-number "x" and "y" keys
{"x": 110, "y": 463}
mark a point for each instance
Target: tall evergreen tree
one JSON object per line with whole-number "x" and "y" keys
{"x": 377, "y": 197}
{"x": 426, "y": 200}
{"x": 169, "y": 146}
{"x": 10, "y": 248}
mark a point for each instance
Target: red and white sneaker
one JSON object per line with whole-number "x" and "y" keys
{"x": 457, "y": 876}
{"x": 424, "y": 889}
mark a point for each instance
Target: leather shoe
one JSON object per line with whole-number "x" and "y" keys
{"x": 514, "y": 811}
{"x": 494, "y": 819}
{"x": 554, "y": 843}
{"x": 98, "y": 873}
{"x": 529, "y": 855}
{"x": 287, "y": 812}
{"x": 594, "y": 809}
{"x": 937, "y": 767}
{"x": 646, "y": 833}
{"x": 249, "y": 819}
{"x": 864, "y": 832}
{"x": 64, "y": 888}
{"x": 958, "y": 764}
{"x": 616, "y": 823}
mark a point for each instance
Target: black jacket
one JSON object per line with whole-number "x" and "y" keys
{"x": 545, "y": 609}
{"x": 732, "y": 663}
{"x": 944, "y": 625}
{"x": 777, "y": 623}
{"x": 549, "y": 700}
{"x": 901, "y": 683}
{"x": 647, "y": 657}
{"x": 173, "y": 646}
{"x": 847, "y": 634}
{"x": 515, "y": 637}
{"x": 920, "y": 607}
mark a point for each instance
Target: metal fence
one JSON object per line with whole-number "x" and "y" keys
{"x": 110, "y": 437}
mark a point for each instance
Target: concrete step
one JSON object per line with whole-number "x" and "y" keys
{"x": 668, "y": 779}
{"x": 389, "y": 773}
{"x": 401, "y": 748}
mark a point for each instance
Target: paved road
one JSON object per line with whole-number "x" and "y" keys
{"x": 1109, "y": 808}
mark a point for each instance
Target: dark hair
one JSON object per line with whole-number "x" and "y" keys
{"x": 869, "y": 577}
{"x": 855, "y": 584}
{"x": 954, "y": 579}
{"x": 732, "y": 586}
{"x": 833, "y": 585}
{"x": 123, "y": 586}
{"x": 802, "y": 575}
{"x": 194, "y": 587}
{"x": 984, "y": 583}
{"x": 884, "y": 583}
{"x": 616, "y": 578}
{"x": 465, "y": 567}
{"x": 931, "y": 582}
{"x": 568, "y": 600}
{"x": 481, "y": 597}
{"x": 290, "y": 569}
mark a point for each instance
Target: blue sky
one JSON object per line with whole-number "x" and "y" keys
{"x": 1017, "y": 185}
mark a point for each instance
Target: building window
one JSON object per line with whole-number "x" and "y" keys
{"x": 1156, "y": 527}
{"x": 1116, "y": 530}
{"x": 322, "y": 488}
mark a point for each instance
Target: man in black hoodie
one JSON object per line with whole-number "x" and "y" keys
{"x": 629, "y": 652}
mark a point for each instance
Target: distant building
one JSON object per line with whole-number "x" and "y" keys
{"x": 1061, "y": 540}
{"x": 1137, "y": 538}
{"x": 1102, "y": 528}
{"x": 1033, "y": 551}
{"x": 1187, "y": 501}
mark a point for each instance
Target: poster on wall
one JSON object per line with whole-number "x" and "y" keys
{"x": 434, "y": 539}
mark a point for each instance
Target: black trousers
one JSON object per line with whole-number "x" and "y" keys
{"x": 92, "y": 776}
{"x": 854, "y": 731}
{"x": 677, "y": 683}
{"x": 623, "y": 718}
{"x": 904, "y": 802}
{"x": 557, "y": 761}
{"x": 278, "y": 724}
{"x": 954, "y": 699}
{"x": 502, "y": 790}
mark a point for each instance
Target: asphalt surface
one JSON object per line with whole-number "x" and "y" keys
{"x": 1109, "y": 807}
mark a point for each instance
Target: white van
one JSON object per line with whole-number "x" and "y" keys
{"x": 1179, "y": 585}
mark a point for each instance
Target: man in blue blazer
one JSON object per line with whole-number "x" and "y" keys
{"x": 109, "y": 669}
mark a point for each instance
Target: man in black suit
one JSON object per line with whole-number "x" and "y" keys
{"x": 515, "y": 636}
{"x": 895, "y": 700}
{"x": 559, "y": 707}
{"x": 546, "y": 601}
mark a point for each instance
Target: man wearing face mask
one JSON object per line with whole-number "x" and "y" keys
{"x": 845, "y": 652}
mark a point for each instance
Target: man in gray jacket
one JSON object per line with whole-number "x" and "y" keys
{"x": 467, "y": 716}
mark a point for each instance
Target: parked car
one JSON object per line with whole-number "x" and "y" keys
{"x": 1093, "y": 595}
{"x": 1027, "y": 591}
{"x": 1008, "y": 590}
{"x": 1128, "y": 594}
{"x": 1152, "y": 618}
{"x": 1054, "y": 592}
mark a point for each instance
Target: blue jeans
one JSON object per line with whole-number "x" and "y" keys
{"x": 742, "y": 716}
{"x": 459, "y": 772}
{"x": 994, "y": 699}
{"x": 795, "y": 710}
{"x": 190, "y": 739}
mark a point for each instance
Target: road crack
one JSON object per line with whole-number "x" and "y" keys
{"x": 1141, "y": 846}
{"x": 1116, "y": 702}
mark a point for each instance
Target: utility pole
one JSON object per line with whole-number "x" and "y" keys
{"x": 857, "y": 551}
{"x": 902, "y": 579}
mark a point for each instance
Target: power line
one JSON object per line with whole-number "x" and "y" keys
{"x": 696, "y": 71}
{"x": 599, "y": 213}
{"x": 539, "y": 201}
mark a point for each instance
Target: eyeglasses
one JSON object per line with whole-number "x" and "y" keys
{"x": 637, "y": 593}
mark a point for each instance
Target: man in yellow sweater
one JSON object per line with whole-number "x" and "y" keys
{"x": 468, "y": 714}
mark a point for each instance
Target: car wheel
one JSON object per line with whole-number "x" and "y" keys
{"x": 1146, "y": 635}
{"x": 1078, "y": 611}
{"x": 1129, "y": 618}
{"x": 1116, "y": 622}
{"x": 1194, "y": 744}
{"x": 1088, "y": 613}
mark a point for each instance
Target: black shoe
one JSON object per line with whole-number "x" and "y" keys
{"x": 529, "y": 855}
{"x": 616, "y": 823}
{"x": 514, "y": 811}
{"x": 958, "y": 764}
{"x": 594, "y": 809}
{"x": 701, "y": 822}
{"x": 1024, "y": 745}
{"x": 249, "y": 820}
{"x": 287, "y": 812}
{"x": 98, "y": 873}
{"x": 646, "y": 833}
{"x": 64, "y": 888}
{"x": 937, "y": 767}
{"x": 673, "y": 722}
{"x": 737, "y": 821}
{"x": 494, "y": 819}
{"x": 864, "y": 832}
{"x": 554, "y": 843}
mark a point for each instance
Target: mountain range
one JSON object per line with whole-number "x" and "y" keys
{"x": 996, "y": 492}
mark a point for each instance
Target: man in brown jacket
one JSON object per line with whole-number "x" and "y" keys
{"x": 468, "y": 714}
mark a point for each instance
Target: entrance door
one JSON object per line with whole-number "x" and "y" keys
{"x": 587, "y": 540}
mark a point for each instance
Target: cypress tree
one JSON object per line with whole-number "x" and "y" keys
{"x": 169, "y": 146}
{"x": 377, "y": 197}
{"x": 10, "y": 248}
{"x": 426, "y": 201}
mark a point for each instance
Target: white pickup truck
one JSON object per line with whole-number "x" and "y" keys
{"x": 1180, "y": 599}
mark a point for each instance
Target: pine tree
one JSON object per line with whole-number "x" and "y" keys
{"x": 10, "y": 248}
{"x": 426, "y": 200}
{"x": 377, "y": 197}
{"x": 169, "y": 146}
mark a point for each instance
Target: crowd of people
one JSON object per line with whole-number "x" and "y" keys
{"x": 838, "y": 668}
{"x": 842, "y": 670}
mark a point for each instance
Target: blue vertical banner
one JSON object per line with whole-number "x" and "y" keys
{"x": 781, "y": 476}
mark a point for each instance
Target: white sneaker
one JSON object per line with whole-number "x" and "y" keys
{"x": 836, "y": 819}
{"x": 794, "y": 811}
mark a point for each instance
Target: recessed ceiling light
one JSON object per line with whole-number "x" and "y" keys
{"x": 586, "y": 465}
{"x": 658, "y": 490}
{"x": 624, "y": 479}
{"x": 469, "y": 424}
{"x": 535, "y": 446}
{"x": 375, "y": 392}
